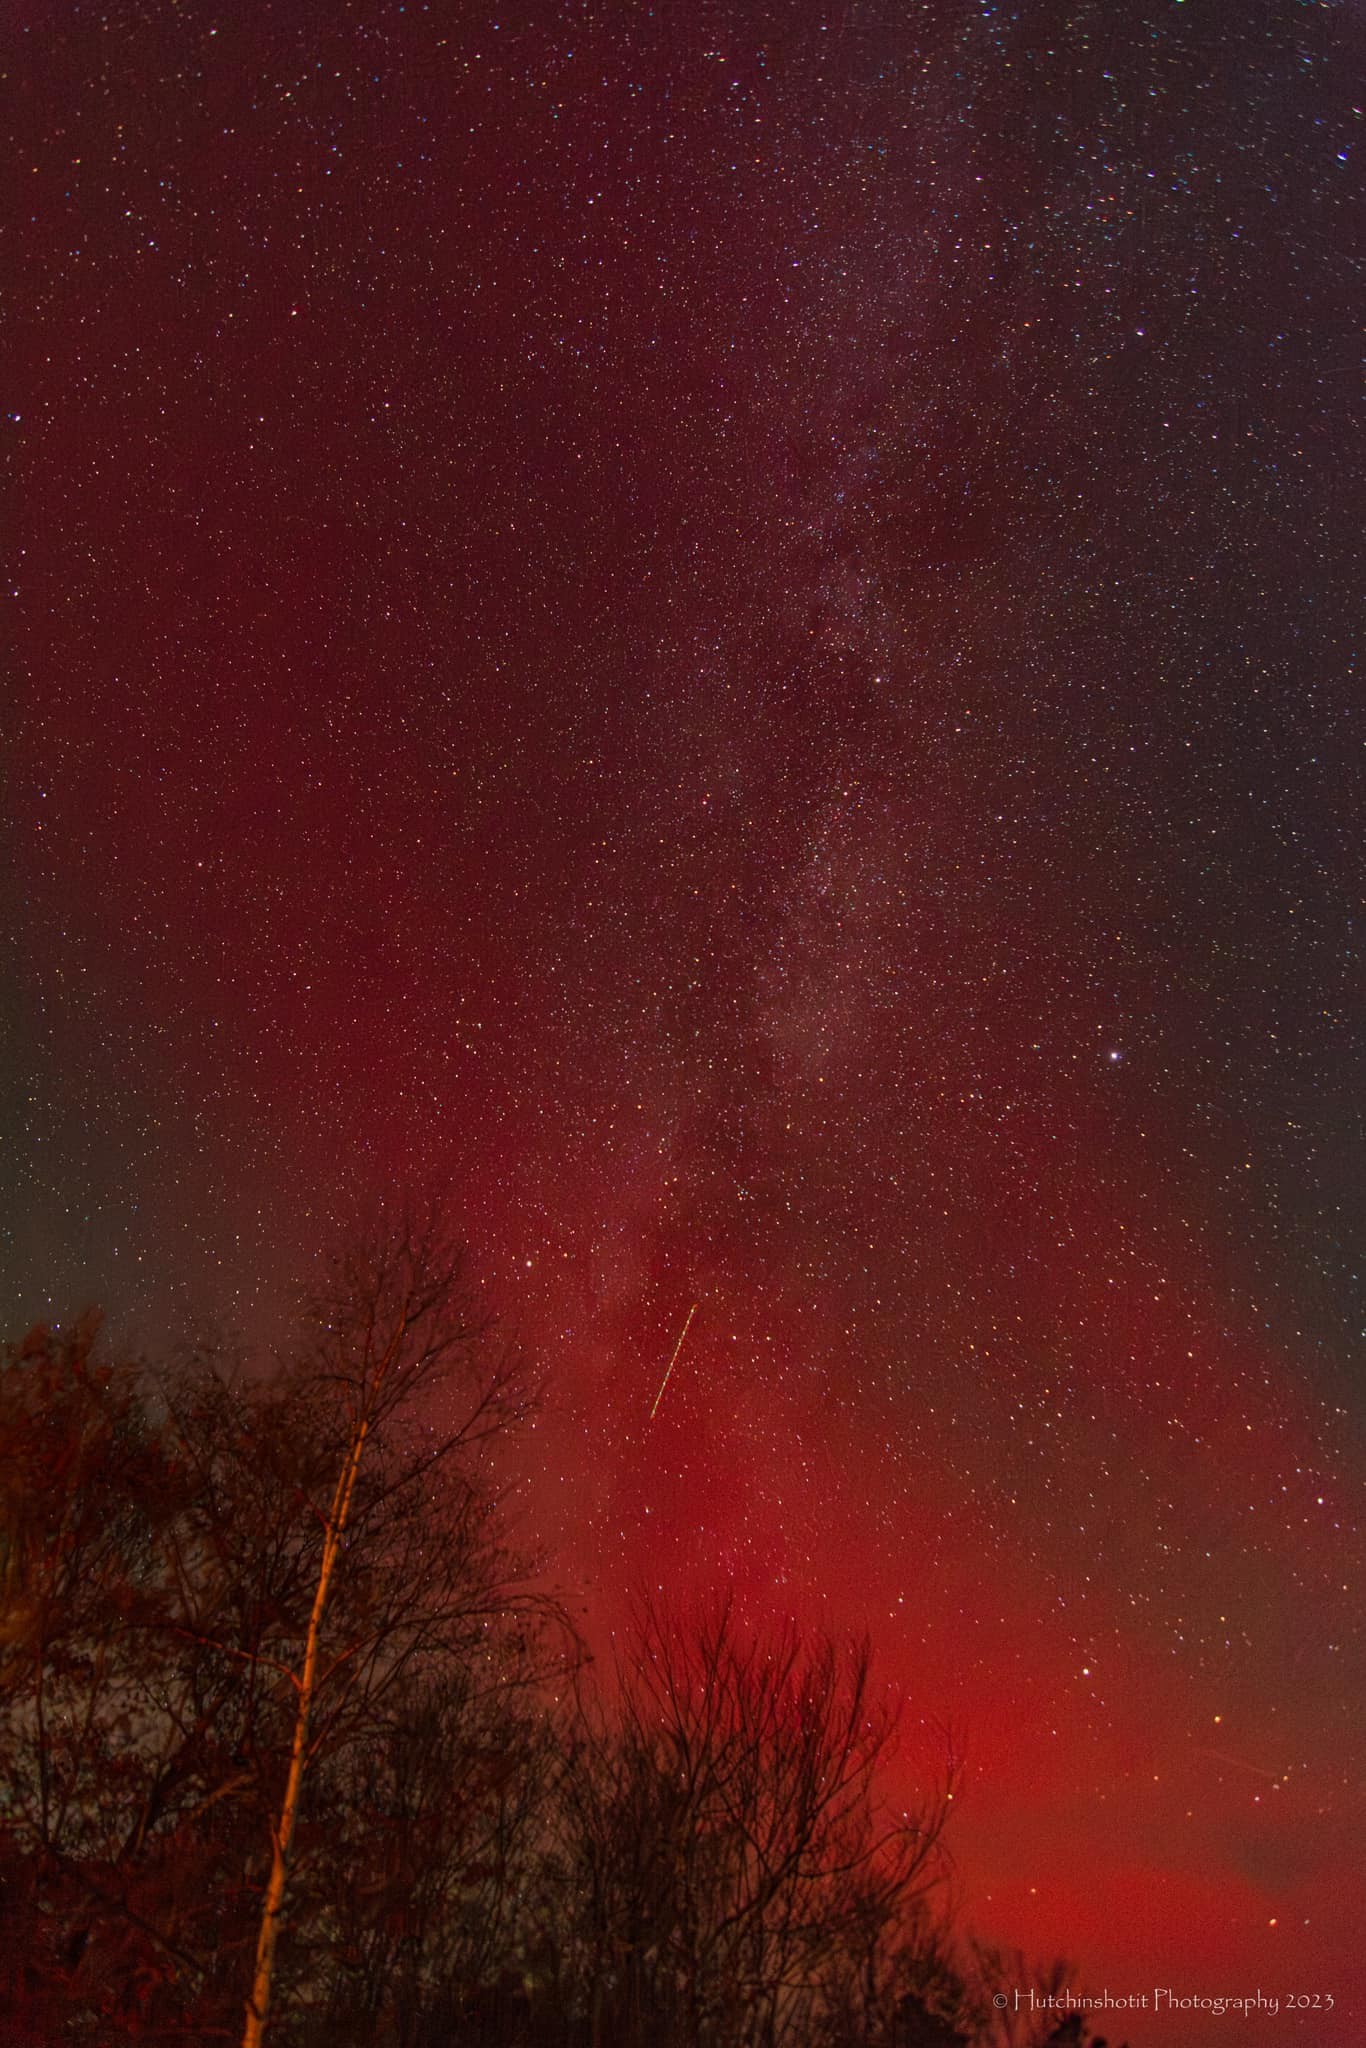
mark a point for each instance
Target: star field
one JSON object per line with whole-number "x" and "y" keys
{"x": 732, "y": 627}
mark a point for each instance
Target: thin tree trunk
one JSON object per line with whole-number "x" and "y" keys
{"x": 282, "y": 1833}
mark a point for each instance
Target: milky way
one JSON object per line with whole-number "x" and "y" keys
{"x": 730, "y": 628}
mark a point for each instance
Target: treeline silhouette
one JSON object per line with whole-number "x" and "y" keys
{"x": 291, "y": 1746}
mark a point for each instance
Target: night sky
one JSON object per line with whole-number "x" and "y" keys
{"x": 730, "y": 627}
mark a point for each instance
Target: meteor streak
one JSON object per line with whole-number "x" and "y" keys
{"x": 674, "y": 1360}
{"x": 1240, "y": 1764}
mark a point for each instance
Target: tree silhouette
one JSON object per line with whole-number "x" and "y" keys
{"x": 284, "y": 1722}
{"x": 736, "y": 1869}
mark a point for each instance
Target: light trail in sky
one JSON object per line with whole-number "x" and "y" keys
{"x": 674, "y": 1360}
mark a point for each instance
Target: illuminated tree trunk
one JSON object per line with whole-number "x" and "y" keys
{"x": 282, "y": 1832}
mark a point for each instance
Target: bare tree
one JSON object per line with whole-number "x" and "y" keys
{"x": 276, "y": 1604}
{"x": 86, "y": 1493}
{"x": 280, "y": 1706}
{"x": 726, "y": 1834}
{"x": 394, "y": 1334}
